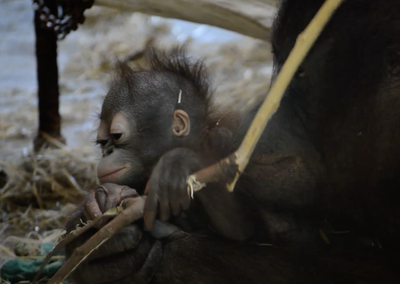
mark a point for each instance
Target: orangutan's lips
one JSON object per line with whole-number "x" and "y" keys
{"x": 110, "y": 174}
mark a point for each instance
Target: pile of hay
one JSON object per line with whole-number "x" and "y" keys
{"x": 37, "y": 192}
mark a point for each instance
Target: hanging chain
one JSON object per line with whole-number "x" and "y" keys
{"x": 68, "y": 14}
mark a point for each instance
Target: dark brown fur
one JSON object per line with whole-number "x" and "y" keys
{"x": 328, "y": 158}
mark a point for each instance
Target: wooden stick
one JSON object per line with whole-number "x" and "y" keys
{"x": 72, "y": 236}
{"x": 133, "y": 211}
{"x": 248, "y": 17}
{"x": 241, "y": 157}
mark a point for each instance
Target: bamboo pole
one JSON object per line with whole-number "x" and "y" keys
{"x": 232, "y": 167}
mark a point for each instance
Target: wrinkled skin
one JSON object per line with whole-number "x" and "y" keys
{"x": 329, "y": 153}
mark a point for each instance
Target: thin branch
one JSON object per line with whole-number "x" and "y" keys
{"x": 241, "y": 157}
{"x": 72, "y": 236}
{"x": 133, "y": 211}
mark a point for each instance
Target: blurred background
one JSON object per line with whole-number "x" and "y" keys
{"x": 240, "y": 66}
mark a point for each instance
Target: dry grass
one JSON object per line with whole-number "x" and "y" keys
{"x": 44, "y": 179}
{"x": 37, "y": 194}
